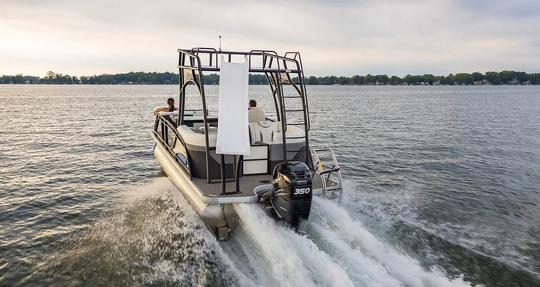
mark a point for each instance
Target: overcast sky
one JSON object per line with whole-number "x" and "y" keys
{"x": 342, "y": 37}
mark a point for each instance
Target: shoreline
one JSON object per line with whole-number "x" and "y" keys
{"x": 308, "y": 85}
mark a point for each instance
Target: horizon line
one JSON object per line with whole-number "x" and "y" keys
{"x": 255, "y": 73}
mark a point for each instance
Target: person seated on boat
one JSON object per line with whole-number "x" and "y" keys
{"x": 255, "y": 114}
{"x": 170, "y": 107}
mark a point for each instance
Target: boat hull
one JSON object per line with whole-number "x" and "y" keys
{"x": 217, "y": 212}
{"x": 221, "y": 219}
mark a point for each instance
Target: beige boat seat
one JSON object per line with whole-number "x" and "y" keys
{"x": 295, "y": 134}
{"x": 262, "y": 131}
{"x": 256, "y": 114}
{"x": 202, "y": 130}
{"x": 197, "y": 138}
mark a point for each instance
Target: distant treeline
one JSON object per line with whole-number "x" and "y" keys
{"x": 167, "y": 78}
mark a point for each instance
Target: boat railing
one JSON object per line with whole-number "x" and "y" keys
{"x": 207, "y": 60}
{"x": 164, "y": 121}
{"x": 279, "y": 71}
{"x": 325, "y": 164}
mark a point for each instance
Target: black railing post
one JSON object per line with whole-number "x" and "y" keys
{"x": 239, "y": 162}
{"x": 223, "y": 184}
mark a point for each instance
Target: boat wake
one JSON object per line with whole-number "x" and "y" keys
{"x": 336, "y": 251}
{"x": 153, "y": 237}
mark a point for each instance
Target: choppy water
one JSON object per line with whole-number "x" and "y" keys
{"x": 442, "y": 189}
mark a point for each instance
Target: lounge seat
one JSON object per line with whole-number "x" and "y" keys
{"x": 261, "y": 131}
{"x": 256, "y": 114}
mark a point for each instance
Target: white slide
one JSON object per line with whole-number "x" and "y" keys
{"x": 233, "y": 130}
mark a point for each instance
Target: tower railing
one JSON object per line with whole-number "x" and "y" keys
{"x": 279, "y": 71}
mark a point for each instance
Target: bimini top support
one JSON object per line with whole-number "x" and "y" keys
{"x": 260, "y": 61}
{"x": 279, "y": 71}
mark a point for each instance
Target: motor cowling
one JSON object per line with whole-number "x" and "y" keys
{"x": 292, "y": 191}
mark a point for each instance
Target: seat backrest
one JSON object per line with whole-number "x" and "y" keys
{"x": 256, "y": 114}
{"x": 261, "y": 131}
{"x": 193, "y": 138}
{"x": 295, "y": 134}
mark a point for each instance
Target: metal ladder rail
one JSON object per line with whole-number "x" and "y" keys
{"x": 301, "y": 82}
{"x": 335, "y": 169}
{"x": 299, "y": 123}
{"x": 276, "y": 84}
{"x": 301, "y": 94}
{"x": 277, "y": 80}
{"x": 286, "y": 111}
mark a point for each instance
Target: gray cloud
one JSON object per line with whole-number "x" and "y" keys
{"x": 335, "y": 37}
{"x": 517, "y": 9}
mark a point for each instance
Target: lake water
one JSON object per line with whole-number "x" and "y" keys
{"x": 442, "y": 189}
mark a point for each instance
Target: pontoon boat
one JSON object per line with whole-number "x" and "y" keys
{"x": 235, "y": 155}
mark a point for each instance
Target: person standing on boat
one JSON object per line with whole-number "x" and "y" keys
{"x": 170, "y": 107}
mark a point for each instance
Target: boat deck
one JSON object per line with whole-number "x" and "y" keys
{"x": 247, "y": 184}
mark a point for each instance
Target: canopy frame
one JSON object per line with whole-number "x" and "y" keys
{"x": 279, "y": 71}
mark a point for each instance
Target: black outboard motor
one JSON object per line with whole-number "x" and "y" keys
{"x": 292, "y": 191}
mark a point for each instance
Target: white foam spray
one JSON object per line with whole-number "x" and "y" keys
{"x": 164, "y": 189}
{"x": 339, "y": 229}
{"x": 291, "y": 259}
{"x": 339, "y": 251}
